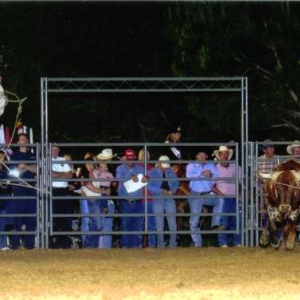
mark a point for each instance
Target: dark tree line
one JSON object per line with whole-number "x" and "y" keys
{"x": 258, "y": 40}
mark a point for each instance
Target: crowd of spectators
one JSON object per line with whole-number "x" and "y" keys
{"x": 113, "y": 205}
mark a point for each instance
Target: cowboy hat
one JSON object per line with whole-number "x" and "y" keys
{"x": 106, "y": 154}
{"x": 222, "y": 149}
{"x": 289, "y": 149}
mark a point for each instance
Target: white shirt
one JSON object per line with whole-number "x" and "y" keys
{"x": 62, "y": 167}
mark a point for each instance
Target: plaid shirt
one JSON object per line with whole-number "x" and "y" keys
{"x": 267, "y": 165}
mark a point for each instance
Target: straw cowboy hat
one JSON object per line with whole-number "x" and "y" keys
{"x": 106, "y": 154}
{"x": 222, "y": 149}
{"x": 289, "y": 149}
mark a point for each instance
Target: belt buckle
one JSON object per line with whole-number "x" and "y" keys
{"x": 131, "y": 201}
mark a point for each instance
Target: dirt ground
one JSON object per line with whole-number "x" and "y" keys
{"x": 181, "y": 273}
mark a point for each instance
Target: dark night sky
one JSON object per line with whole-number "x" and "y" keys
{"x": 79, "y": 39}
{"x": 131, "y": 39}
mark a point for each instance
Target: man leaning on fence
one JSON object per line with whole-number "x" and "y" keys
{"x": 60, "y": 170}
{"x": 130, "y": 202}
{"x": 201, "y": 174}
{"x": 266, "y": 164}
{"x": 24, "y": 201}
{"x": 227, "y": 187}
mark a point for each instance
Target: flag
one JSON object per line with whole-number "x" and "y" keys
{"x": 2, "y": 135}
{"x": 3, "y": 99}
{"x": 7, "y": 135}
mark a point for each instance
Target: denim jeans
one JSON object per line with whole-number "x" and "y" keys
{"x": 3, "y": 238}
{"x": 161, "y": 206}
{"x": 23, "y": 206}
{"x": 93, "y": 223}
{"x": 132, "y": 223}
{"x": 230, "y": 223}
{"x": 196, "y": 205}
{"x": 84, "y": 209}
{"x": 151, "y": 226}
{"x": 105, "y": 240}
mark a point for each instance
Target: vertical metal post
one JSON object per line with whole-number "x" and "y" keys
{"x": 257, "y": 194}
{"x": 252, "y": 220}
{"x": 39, "y": 199}
{"x": 44, "y": 162}
{"x": 245, "y": 155}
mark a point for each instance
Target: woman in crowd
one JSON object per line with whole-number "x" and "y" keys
{"x": 106, "y": 177}
{"x": 92, "y": 204}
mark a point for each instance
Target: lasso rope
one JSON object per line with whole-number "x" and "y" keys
{"x": 281, "y": 183}
{"x": 19, "y": 111}
{"x": 24, "y": 183}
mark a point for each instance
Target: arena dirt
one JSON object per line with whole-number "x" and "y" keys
{"x": 150, "y": 274}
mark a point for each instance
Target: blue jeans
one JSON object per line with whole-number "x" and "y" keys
{"x": 230, "y": 223}
{"x": 93, "y": 223}
{"x": 131, "y": 223}
{"x": 23, "y": 206}
{"x": 161, "y": 206}
{"x": 85, "y": 221}
{"x": 3, "y": 238}
{"x": 196, "y": 205}
{"x": 105, "y": 240}
{"x": 150, "y": 224}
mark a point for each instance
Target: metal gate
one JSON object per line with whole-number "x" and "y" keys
{"x": 252, "y": 213}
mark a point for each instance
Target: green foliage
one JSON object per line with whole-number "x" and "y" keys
{"x": 203, "y": 57}
{"x": 257, "y": 40}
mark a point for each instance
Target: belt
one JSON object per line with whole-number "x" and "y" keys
{"x": 205, "y": 193}
{"x": 202, "y": 193}
{"x": 104, "y": 187}
{"x": 132, "y": 201}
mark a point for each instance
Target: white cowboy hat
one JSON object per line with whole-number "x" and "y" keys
{"x": 289, "y": 149}
{"x": 164, "y": 161}
{"x": 106, "y": 154}
{"x": 222, "y": 149}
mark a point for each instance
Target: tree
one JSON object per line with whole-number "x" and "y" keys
{"x": 257, "y": 40}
